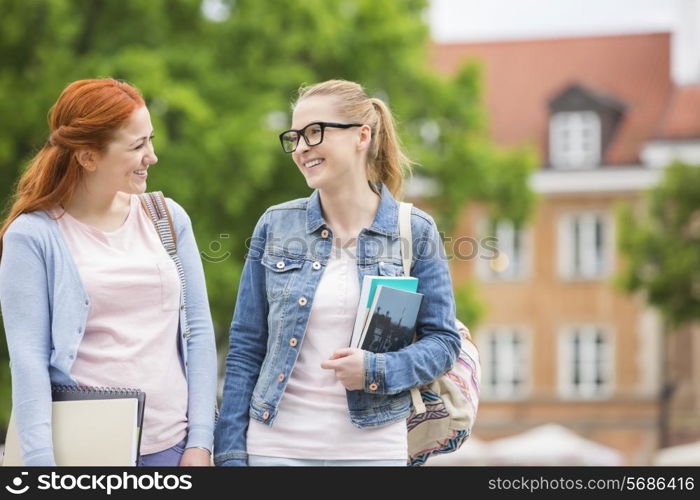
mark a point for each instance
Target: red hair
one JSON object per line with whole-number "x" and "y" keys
{"x": 85, "y": 116}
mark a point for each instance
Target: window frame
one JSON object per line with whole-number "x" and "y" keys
{"x": 520, "y": 268}
{"x": 586, "y": 389}
{"x": 502, "y": 391}
{"x": 575, "y": 261}
{"x": 567, "y": 145}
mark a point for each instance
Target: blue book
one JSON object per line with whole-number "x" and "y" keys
{"x": 367, "y": 293}
{"x": 392, "y": 320}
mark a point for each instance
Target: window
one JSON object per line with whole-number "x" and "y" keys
{"x": 505, "y": 258}
{"x": 585, "y": 362}
{"x": 585, "y": 245}
{"x": 574, "y": 139}
{"x": 505, "y": 357}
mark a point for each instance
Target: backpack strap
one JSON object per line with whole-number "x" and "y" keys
{"x": 405, "y": 236}
{"x": 155, "y": 206}
{"x": 406, "y": 244}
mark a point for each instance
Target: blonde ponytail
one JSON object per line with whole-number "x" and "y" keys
{"x": 389, "y": 163}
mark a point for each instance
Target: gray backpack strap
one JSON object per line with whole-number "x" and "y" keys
{"x": 157, "y": 209}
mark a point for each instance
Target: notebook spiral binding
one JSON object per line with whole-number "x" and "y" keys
{"x": 94, "y": 389}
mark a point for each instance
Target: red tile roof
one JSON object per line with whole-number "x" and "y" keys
{"x": 520, "y": 77}
{"x": 682, "y": 118}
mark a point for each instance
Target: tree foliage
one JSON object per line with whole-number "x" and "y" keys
{"x": 219, "y": 92}
{"x": 661, "y": 244}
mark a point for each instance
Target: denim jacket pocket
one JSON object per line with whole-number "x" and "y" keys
{"x": 280, "y": 272}
{"x": 389, "y": 268}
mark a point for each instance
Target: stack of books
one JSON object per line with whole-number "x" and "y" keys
{"x": 387, "y": 313}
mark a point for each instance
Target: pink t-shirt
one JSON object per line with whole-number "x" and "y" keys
{"x": 313, "y": 421}
{"x": 130, "y": 339}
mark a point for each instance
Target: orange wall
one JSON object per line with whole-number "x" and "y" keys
{"x": 544, "y": 303}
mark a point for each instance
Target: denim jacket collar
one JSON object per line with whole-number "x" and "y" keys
{"x": 385, "y": 221}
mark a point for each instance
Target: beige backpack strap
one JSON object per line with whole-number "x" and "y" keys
{"x": 405, "y": 236}
{"x": 406, "y": 242}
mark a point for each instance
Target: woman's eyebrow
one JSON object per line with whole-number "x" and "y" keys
{"x": 143, "y": 137}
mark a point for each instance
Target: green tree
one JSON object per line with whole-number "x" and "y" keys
{"x": 661, "y": 246}
{"x": 660, "y": 240}
{"x": 220, "y": 91}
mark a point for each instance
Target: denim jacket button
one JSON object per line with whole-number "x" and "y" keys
{"x": 266, "y": 415}
{"x": 293, "y": 342}
{"x": 302, "y": 301}
{"x": 373, "y": 386}
{"x": 316, "y": 265}
{"x": 280, "y": 265}
{"x": 281, "y": 377}
{"x": 324, "y": 233}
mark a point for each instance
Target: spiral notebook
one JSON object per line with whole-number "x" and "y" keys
{"x": 90, "y": 426}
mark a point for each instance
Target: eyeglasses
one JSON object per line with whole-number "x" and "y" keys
{"x": 312, "y": 134}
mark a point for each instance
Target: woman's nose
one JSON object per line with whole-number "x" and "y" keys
{"x": 302, "y": 144}
{"x": 151, "y": 158}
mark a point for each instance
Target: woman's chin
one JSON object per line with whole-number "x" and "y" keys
{"x": 137, "y": 188}
{"x": 312, "y": 182}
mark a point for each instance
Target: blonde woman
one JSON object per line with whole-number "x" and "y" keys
{"x": 294, "y": 393}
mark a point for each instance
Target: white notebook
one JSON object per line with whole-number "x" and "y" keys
{"x": 90, "y": 426}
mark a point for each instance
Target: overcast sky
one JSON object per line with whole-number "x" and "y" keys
{"x": 466, "y": 20}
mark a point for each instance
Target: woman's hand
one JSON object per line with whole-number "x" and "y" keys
{"x": 195, "y": 457}
{"x": 349, "y": 366}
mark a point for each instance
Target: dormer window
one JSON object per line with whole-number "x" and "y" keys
{"x": 574, "y": 139}
{"x": 582, "y": 124}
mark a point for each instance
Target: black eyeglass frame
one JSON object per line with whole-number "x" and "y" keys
{"x": 300, "y": 133}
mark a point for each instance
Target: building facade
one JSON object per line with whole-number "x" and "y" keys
{"x": 560, "y": 342}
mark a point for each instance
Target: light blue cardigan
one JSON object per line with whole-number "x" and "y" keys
{"x": 45, "y": 308}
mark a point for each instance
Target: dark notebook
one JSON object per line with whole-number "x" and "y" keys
{"x": 392, "y": 320}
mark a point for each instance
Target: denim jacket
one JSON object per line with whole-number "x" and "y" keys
{"x": 286, "y": 259}
{"x": 45, "y": 309}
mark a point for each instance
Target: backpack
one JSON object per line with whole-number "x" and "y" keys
{"x": 444, "y": 411}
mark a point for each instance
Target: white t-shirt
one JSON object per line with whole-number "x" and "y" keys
{"x": 313, "y": 420}
{"x": 130, "y": 339}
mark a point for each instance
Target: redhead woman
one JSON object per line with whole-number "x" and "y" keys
{"x": 89, "y": 294}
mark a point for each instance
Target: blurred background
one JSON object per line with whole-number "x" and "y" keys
{"x": 568, "y": 131}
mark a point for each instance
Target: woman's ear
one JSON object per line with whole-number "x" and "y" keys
{"x": 364, "y": 138}
{"x": 86, "y": 158}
